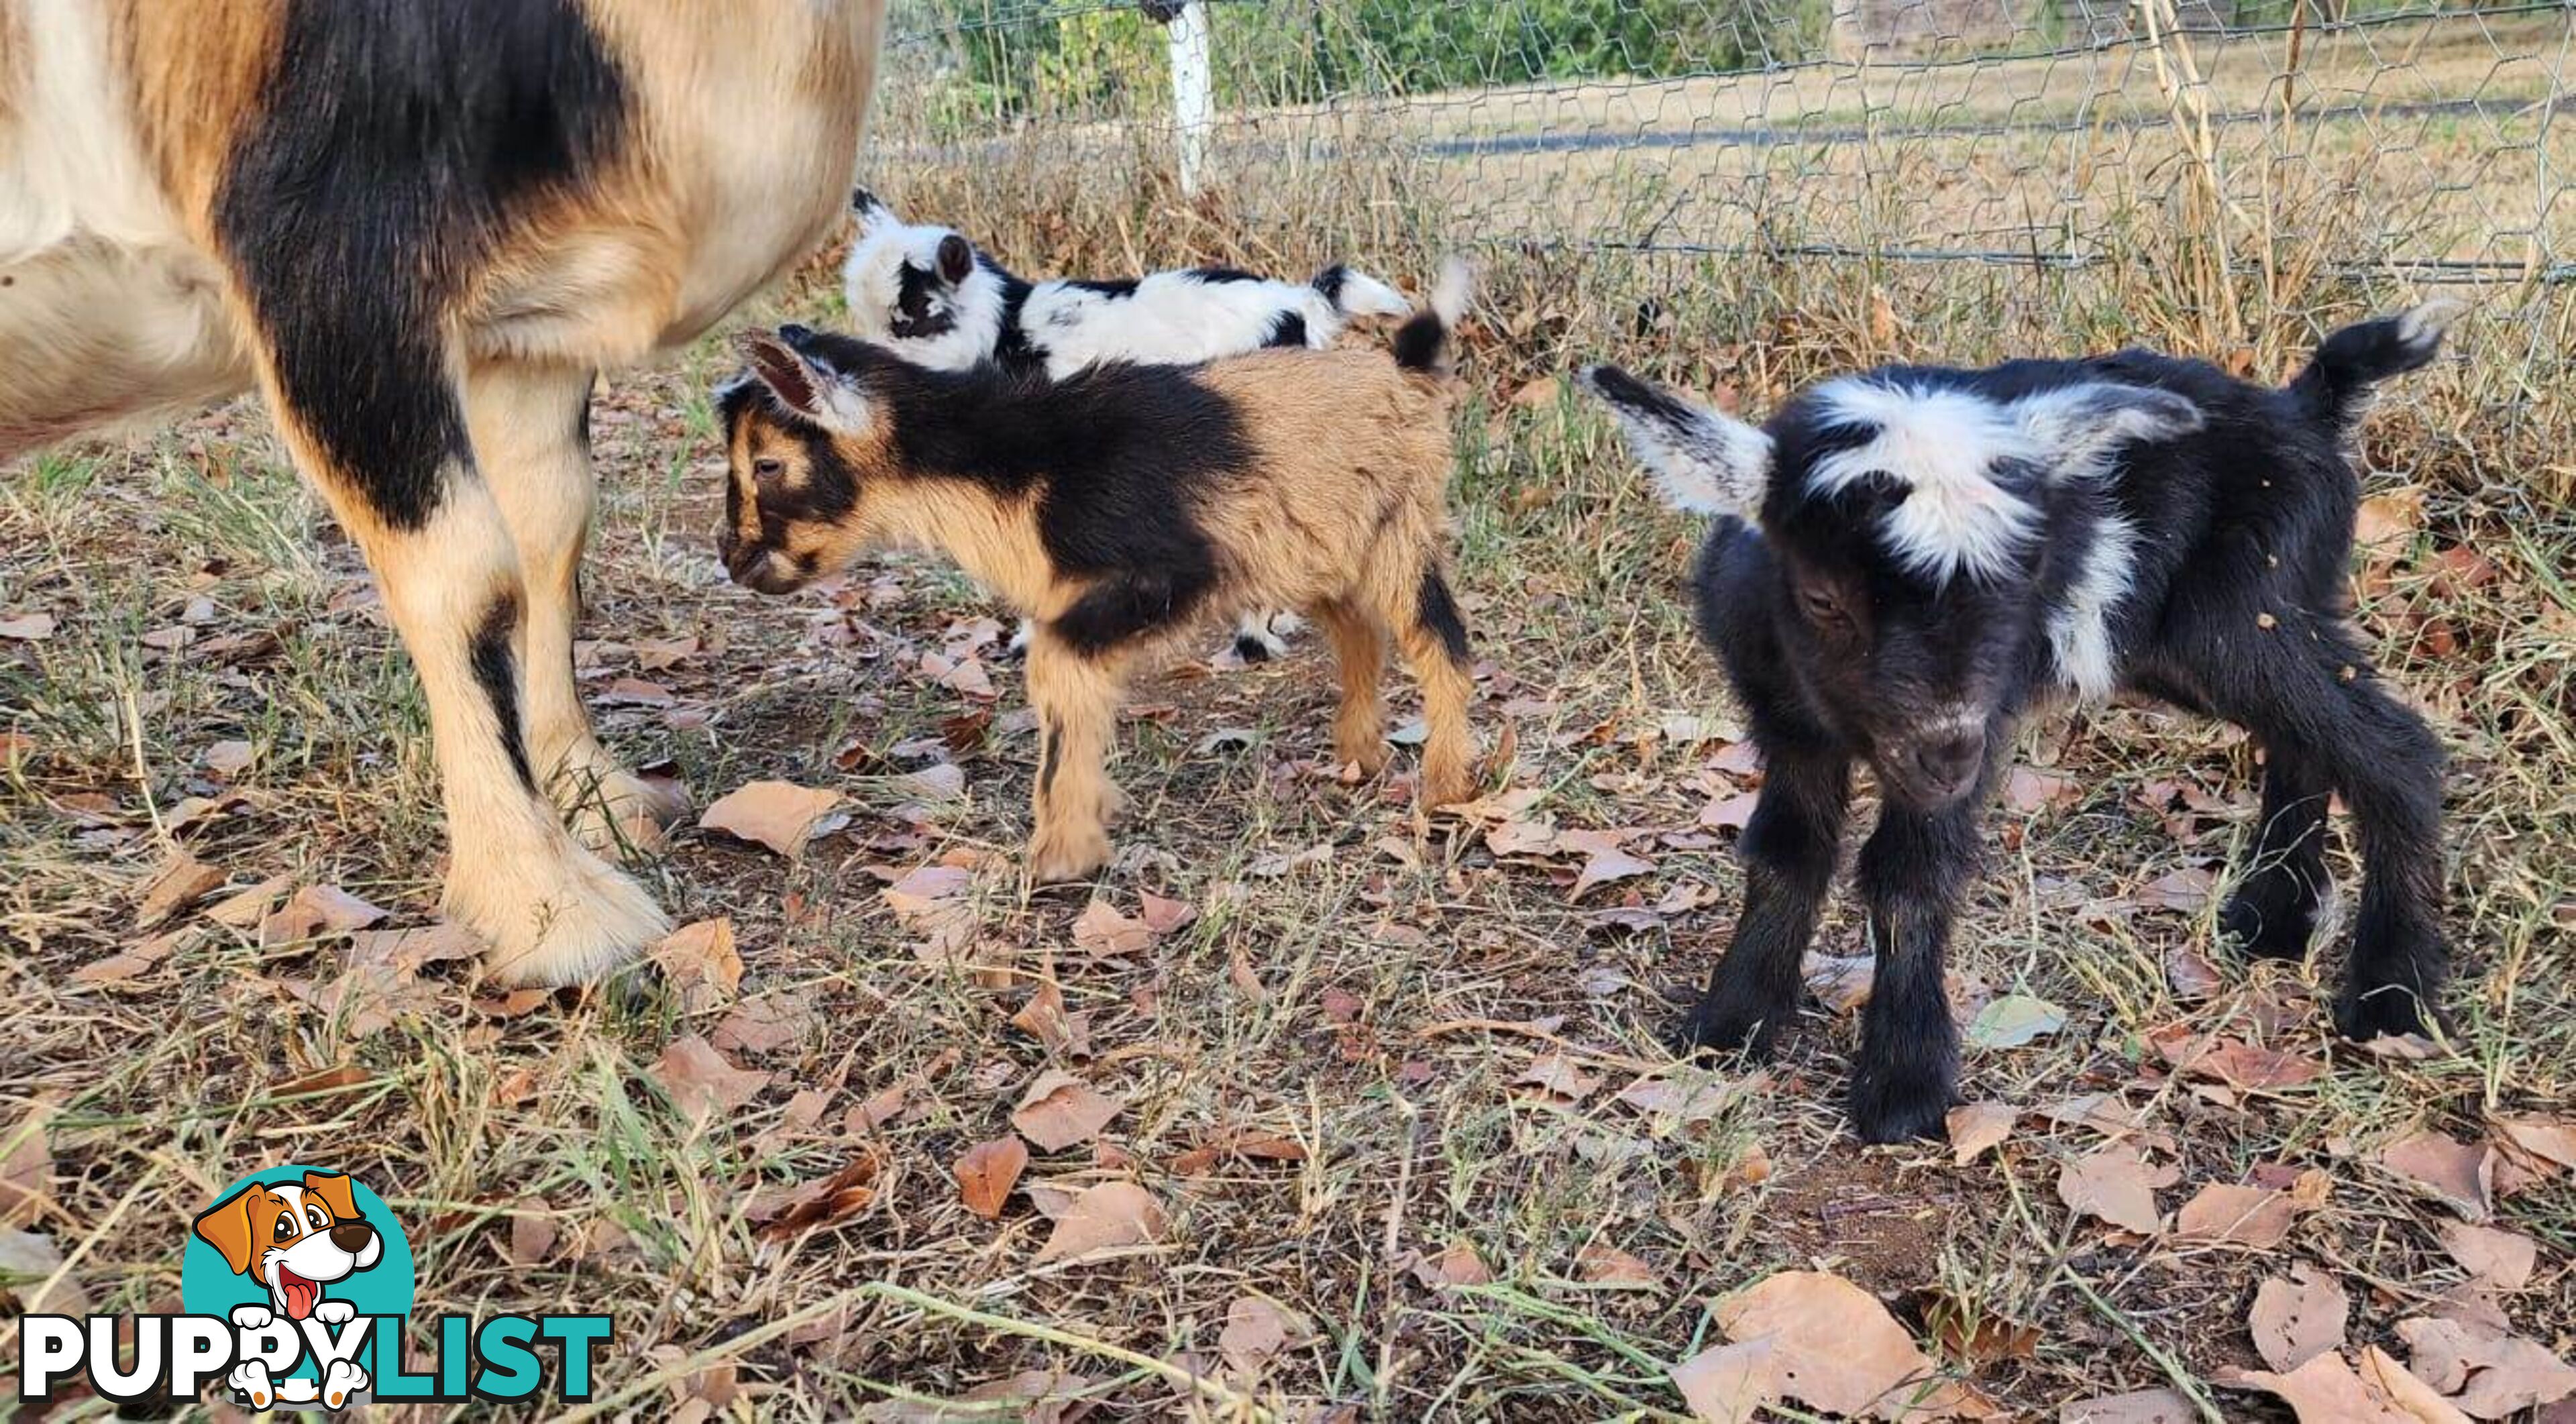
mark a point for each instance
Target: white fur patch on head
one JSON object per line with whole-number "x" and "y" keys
{"x": 1702, "y": 461}
{"x": 872, "y": 280}
{"x": 1943, "y": 446}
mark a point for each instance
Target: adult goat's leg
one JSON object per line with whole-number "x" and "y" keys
{"x": 374, "y": 418}
{"x": 531, "y": 434}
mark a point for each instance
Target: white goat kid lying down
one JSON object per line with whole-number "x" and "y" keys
{"x": 932, "y": 297}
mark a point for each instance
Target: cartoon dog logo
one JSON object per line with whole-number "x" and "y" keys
{"x": 295, "y": 1239}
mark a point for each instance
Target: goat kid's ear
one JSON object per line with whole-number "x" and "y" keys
{"x": 803, "y": 384}
{"x": 2079, "y": 428}
{"x": 870, "y": 210}
{"x": 1703, "y": 461}
{"x": 956, "y": 259}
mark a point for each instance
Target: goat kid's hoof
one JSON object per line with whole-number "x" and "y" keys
{"x": 1915, "y": 1111}
{"x": 568, "y": 918}
{"x": 1368, "y": 754}
{"x": 2389, "y": 1011}
{"x": 2257, "y": 929}
{"x": 1730, "y": 1031}
{"x": 1056, "y": 858}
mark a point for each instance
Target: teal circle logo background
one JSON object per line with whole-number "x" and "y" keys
{"x": 208, "y": 1286}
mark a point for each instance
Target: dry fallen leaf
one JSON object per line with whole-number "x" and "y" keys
{"x": 1977, "y": 1128}
{"x": 2460, "y": 1174}
{"x": 1060, "y": 1110}
{"x": 28, "y": 627}
{"x": 1257, "y": 1330}
{"x": 2496, "y": 1259}
{"x": 827, "y": 1200}
{"x": 1602, "y": 1265}
{"x": 1104, "y": 932}
{"x": 2012, "y": 1021}
{"x": 699, "y": 961}
{"x": 778, "y": 814}
{"x": 532, "y": 1231}
{"x": 315, "y": 911}
{"x": 2246, "y": 1066}
{"x": 1557, "y": 1076}
{"x": 2550, "y": 1140}
{"x": 2146, "y": 1406}
{"x": 2324, "y": 1390}
{"x": 245, "y": 908}
{"x": 2027, "y": 789}
{"x": 2485, "y": 1372}
{"x": 31, "y": 1259}
{"x": 988, "y": 1171}
{"x": 181, "y": 881}
{"x": 2116, "y": 1184}
{"x": 1605, "y": 866}
{"x": 1459, "y": 1265}
{"x": 2225, "y": 1213}
{"x": 2296, "y": 1319}
{"x": 2413, "y": 1398}
{"x": 767, "y": 1023}
{"x": 26, "y": 1164}
{"x": 699, "y": 1080}
{"x": 1680, "y": 1102}
{"x": 1835, "y": 1347}
{"x": 409, "y": 950}
{"x": 1106, "y": 1217}
{"x": 1728, "y": 1384}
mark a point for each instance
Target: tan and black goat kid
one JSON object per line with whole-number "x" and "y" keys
{"x": 1122, "y": 507}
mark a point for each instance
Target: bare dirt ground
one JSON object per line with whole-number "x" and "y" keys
{"x": 1330, "y": 1109}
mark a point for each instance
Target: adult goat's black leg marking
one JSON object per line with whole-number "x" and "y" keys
{"x": 1911, "y": 874}
{"x": 1788, "y": 852}
{"x": 2273, "y": 912}
{"x": 496, "y": 669}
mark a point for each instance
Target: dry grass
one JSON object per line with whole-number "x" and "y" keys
{"x": 1359, "y": 980}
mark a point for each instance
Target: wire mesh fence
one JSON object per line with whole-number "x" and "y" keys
{"x": 1872, "y": 178}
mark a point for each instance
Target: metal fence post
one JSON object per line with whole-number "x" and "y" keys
{"x": 1193, "y": 91}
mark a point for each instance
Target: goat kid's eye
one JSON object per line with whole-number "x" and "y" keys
{"x": 1822, "y": 607}
{"x": 768, "y": 469}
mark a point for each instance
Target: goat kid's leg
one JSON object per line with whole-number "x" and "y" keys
{"x": 1911, "y": 874}
{"x": 1076, "y": 695}
{"x": 2313, "y": 690}
{"x": 2273, "y": 911}
{"x": 1433, "y": 637}
{"x": 1359, "y": 649}
{"x": 1788, "y": 854}
{"x": 553, "y": 912}
{"x": 531, "y": 433}
{"x": 1263, "y": 635}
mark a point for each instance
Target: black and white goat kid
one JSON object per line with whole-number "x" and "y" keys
{"x": 1908, "y": 558}
{"x": 930, "y": 296}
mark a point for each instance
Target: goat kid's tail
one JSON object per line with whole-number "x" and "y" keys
{"x": 1353, "y": 292}
{"x": 1422, "y": 344}
{"x": 2360, "y": 356}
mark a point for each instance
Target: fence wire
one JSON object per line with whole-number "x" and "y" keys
{"x": 2388, "y": 139}
{"x": 1784, "y": 184}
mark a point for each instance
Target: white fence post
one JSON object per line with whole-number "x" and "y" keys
{"x": 1193, "y": 91}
